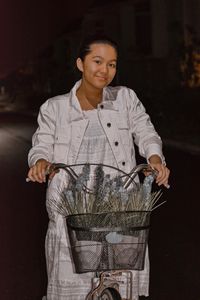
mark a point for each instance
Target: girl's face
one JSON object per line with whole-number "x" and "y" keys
{"x": 99, "y": 65}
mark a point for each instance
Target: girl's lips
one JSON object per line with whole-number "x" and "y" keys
{"x": 102, "y": 78}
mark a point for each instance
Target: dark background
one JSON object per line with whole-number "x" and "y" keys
{"x": 160, "y": 60}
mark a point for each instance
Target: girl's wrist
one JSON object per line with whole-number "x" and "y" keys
{"x": 155, "y": 159}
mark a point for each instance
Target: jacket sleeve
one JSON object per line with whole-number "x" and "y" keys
{"x": 43, "y": 138}
{"x": 143, "y": 131}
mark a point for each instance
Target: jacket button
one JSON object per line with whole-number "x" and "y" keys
{"x": 123, "y": 163}
{"x": 116, "y": 143}
{"x": 109, "y": 124}
{"x": 101, "y": 106}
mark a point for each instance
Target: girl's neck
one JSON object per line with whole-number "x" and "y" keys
{"x": 89, "y": 97}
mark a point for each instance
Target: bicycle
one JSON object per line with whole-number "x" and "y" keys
{"x": 110, "y": 243}
{"x": 94, "y": 249}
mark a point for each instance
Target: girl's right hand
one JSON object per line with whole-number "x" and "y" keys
{"x": 38, "y": 172}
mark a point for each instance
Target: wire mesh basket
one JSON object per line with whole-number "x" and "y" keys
{"x": 108, "y": 241}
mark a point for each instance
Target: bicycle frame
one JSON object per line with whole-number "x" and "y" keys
{"x": 111, "y": 281}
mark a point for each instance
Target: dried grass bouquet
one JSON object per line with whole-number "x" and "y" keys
{"x": 107, "y": 194}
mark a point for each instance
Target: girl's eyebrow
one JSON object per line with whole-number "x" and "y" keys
{"x": 97, "y": 56}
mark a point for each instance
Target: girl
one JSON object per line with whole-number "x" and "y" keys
{"x": 93, "y": 123}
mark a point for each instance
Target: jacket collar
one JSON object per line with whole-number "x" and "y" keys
{"x": 109, "y": 100}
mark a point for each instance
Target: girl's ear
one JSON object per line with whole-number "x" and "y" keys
{"x": 79, "y": 64}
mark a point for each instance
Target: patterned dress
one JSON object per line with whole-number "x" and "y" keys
{"x": 63, "y": 283}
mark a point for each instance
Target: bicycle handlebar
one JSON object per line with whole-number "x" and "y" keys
{"x": 130, "y": 176}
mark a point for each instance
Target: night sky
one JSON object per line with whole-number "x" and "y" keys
{"x": 28, "y": 26}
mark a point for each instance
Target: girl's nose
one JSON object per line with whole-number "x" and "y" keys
{"x": 104, "y": 68}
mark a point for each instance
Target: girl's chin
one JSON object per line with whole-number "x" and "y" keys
{"x": 98, "y": 84}
{"x": 101, "y": 83}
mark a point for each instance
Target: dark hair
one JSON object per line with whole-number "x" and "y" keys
{"x": 84, "y": 48}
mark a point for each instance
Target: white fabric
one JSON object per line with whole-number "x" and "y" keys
{"x": 62, "y": 126}
{"x": 95, "y": 146}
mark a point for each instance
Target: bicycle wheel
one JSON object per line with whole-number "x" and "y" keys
{"x": 109, "y": 294}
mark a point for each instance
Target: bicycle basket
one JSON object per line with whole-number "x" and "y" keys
{"x": 108, "y": 241}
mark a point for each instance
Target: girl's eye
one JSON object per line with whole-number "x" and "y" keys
{"x": 112, "y": 66}
{"x": 98, "y": 62}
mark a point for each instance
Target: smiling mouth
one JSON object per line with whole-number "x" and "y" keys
{"x": 102, "y": 78}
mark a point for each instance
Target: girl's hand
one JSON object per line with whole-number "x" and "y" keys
{"x": 163, "y": 171}
{"x": 38, "y": 172}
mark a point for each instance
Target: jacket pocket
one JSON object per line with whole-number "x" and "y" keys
{"x": 122, "y": 124}
{"x": 61, "y": 147}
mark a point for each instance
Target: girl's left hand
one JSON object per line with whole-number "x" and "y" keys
{"x": 163, "y": 171}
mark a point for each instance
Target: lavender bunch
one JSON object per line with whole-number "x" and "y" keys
{"x": 106, "y": 195}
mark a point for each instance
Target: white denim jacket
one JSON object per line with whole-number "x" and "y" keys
{"x": 58, "y": 139}
{"x": 62, "y": 125}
